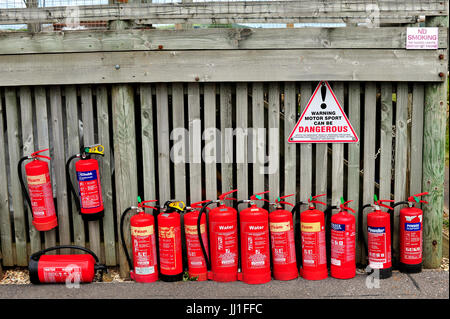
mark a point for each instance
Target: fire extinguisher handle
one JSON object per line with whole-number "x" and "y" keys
{"x": 122, "y": 237}
{"x": 22, "y": 183}
{"x": 38, "y": 254}
{"x": 69, "y": 181}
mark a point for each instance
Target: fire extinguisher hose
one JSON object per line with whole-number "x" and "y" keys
{"x": 122, "y": 237}
{"x": 200, "y": 239}
{"x": 22, "y": 183}
{"x": 360, "y": 228}
{"x": 69, "y": 181}
{"x": 298, "y": 246}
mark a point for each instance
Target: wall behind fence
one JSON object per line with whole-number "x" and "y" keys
{"x": 145, "y": 136}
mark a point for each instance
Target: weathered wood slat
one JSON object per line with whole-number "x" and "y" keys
{"x": 5, "y": 219}
{"x": 103, "y": 123}
{"x": 87, "y": 116}
{"x": 306, "y": 159}
{"x": 416, "y": 155}
{"x": 337, "y": 168}
{"x": 274, "y": 141}
{"x": 195, "y": 143}
{"x": 226, "y": 126}
{"x": 223, "y": 66}
{"x": 401, "y": 139}
{"x": 124, "y": 159}
{"x": 162, "y": 114}
{"x": 26, "y": 114}
{"x": 207, "y": 39}
{"x": 12, "y": 118}
{"x": 73, "y": 147}
{"x": 211, "y": 140}
{"x": 258, "y": 138}
{"x": 290, "y": 117}
{"x": 242, "y": 139}
{"x": 231, "y": 12}
{"x": 386, "y": 141}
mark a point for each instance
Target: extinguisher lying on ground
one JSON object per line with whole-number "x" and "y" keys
{"x": 90, "y": 203}
{"x": 78, "y": 268}
{"x": 196, "y": 261}
{"x": 343, "y": 243}
{"x": 144, "y": 267}
{"x": 169, "y": 238}
{"x": 378, "y": 246}
{"x": 255, "y": 244}
{"x": 222, "y": 260}
{"x": 40, "y": 199}
{"x": 411, "y": 228}
{"x": 282, "y": 240}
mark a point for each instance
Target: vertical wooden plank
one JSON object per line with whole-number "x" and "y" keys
{"x": 226, "y": 128}
{"x": 274, "y": 141}
{"x": 353, "y": 179}
{"x": 179, "y": 157}
{"x": 87, "y": 116}
{"x": 59, "y": 173}
{"x": 242, "y": 139}
{"x": 434, "y": 162}
{"x": 369, "y": 150}
{"x": 5, "y": 220}
{"x": 210, "y": 153}
{"x": 124, "y": 142}
{"x": 386, "y": 141}
{"x": 258, "y": 138}
{"x": 162, "y": 115}
{"x": 106, "y": 174}
{"x": 148, "y": 147}
{"x": 337, "y": 168}
{"x": 40, "y": 97}
{"x": 290, "y": 116}
{"x": 401, "y": 140}
{"x": 26, "y": 112}
{"x": 195, "y": 143}
{"x": 306, "y": 149}
{"x": 12, "y": 118}
{"x": 73, "y": 147}
{"x": 416, "y": 155}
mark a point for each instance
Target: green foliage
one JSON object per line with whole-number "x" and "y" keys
{"x": 187, "y": 278}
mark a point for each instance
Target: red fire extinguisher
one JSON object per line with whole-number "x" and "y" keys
{"x": 313, "y": 239}
{"x": 343, "y": 243}
{"x": 223, "y": 237}
{"x": 144, "y": 267}
{"x": 40, "y": 199}
{"x": 255, "y": 244}
{"x": 196, "y": 261}
{"x": 169, "y": 238}
{"x": 78, "y": 268}
{"x": 411, "y": 228}
{"x": 379, "y": 237}
{"x": 90, "y": 202}
{"x": 282, "y": 239}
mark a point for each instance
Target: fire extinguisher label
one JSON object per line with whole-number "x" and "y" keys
{"x": 41, "y": 195}
{"x": 144, "y": 250}
{"x": 226, "y": 244}
{"x": 313, "y": 244}
{"x": 59, "y": 274}
{"x": 342, "y": 244}
{"x": 194, "y": 250}
{"x": 169, "y": 240}
{"x": 283, "y": 246}
{"x": 412, "y": 226}
{"x": 257, "y": 238}
{"x": 378, "y": 250}
{"x": 412, "y": 243}
{"x": 90, "y": 189}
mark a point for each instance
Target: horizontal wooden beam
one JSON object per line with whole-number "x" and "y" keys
{"x": 222, "y": 66}
{"x": 207, "y": 39}
{"x": 405, "y": 11}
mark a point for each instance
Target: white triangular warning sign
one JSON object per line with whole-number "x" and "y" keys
{"x": 323, "y": 120}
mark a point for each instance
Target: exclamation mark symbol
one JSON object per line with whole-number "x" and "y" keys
{"x": 323, "y": 91}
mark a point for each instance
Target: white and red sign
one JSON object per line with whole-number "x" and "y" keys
{"x": 323, "y": 120}
{"x": 422, "y": 38}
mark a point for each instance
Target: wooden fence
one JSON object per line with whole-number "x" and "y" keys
{"x": 129, "y": 90}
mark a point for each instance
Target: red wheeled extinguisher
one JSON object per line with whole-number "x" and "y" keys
{"x": 313, "y": 239}
{"x": 255, "y": 243}
{"x": 223, "y": 237}
{"x": 379, "y": 237}
{"x": 144, "y": 267}
{"x": 64, "y": 268}
{"x": 169, "y": 238}
{"x": 343, "y": 243}
{"x": 40, "y": 199}
{"x": 282, "y": 238}
{"x": 411, "y": 227}
{"x": 90, "y": 202}
{"x": 196, "y": 262}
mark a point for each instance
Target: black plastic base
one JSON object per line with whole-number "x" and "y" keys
{"x": 171, "y": 278}
{"x": 33, "y": 270}
{"x": 91, "y": 217}
{"x": 383, "y": 273}
{"x": 410, "y": 269}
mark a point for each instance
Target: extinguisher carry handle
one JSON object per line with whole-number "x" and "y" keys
{"x": 38, "y": 254}
{"x": 69, "y": 182}
{"x": 22, "y": 183}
